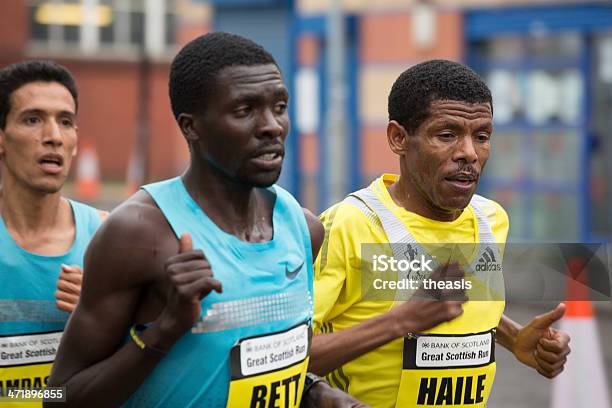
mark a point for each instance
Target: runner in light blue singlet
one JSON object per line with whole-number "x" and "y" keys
{"x": 31, "y": 325}
{"x": 267, "y": 288}
{"x": 27, "y": 304}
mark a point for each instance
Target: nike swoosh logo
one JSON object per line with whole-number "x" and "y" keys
{"x": 292, "y": 274}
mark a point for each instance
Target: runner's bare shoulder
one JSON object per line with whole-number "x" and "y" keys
{"x": 133, "y": 243}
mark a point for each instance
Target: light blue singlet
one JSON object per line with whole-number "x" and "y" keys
{"x": 31, "y": 325}
{"x": 29, "y": 281}
{"x": 267, "y": 288}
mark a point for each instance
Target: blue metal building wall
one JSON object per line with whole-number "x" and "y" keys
{"x": 523, "y": 21}
{"x": 269, "y": 23}
{"x": 482, "y": 24}
{"x": 317, "y": 26}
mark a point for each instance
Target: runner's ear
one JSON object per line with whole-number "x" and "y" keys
{"x": 396, "y": 135}
{"x": 186, "y": 123}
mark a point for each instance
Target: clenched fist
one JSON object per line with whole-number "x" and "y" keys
{"x": 430, "y": 307}
{"x": 191, "y": 279}
{"x": 542, "y": 347}
{"x": 69, "y": 285}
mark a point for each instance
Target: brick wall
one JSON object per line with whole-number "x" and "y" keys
{"x": 109, "y": 96}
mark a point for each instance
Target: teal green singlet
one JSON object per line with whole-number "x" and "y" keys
{"x": 250, "y": 346}
{"x": 30, "y": 322}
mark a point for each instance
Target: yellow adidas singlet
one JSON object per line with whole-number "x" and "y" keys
{"x": 374, "y": 378}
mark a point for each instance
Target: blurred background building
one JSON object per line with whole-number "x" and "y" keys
{"x": 548, "y": 63}
{"x": 119, "y": 52}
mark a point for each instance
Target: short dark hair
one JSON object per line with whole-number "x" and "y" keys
{"x": 14, "y": 76}
{"x": 195, "y": 67}
{"x": 435, "y": 80}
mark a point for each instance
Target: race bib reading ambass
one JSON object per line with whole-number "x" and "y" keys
{"x": 447, "y": 370}
{"x": 269, "y": 370}
{"x": 26, "y": 361}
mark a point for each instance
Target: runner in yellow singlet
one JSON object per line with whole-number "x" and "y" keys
{"x": 389, "y": 354}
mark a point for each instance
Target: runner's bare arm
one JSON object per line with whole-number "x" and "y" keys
{"x": 506, "y": 332}
{"x": 91, "y": 352}
{"x": 317, "y": 232}
{"x": 426, "y": 309}
{"x": 129, "y": 253}
{"x": 332, "y": 350}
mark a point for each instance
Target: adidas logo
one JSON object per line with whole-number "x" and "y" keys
{"x": 487, "y": 262}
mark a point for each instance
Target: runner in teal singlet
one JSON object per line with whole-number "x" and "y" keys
{"x": 198, "y": 290}
{"x": 39, "y": 229}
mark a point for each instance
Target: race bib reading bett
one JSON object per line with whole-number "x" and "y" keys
{"x": 269, "y": 370}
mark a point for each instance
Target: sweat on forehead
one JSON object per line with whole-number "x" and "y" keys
{"x": 436, "y": 80}
{"x": 194, "y": 69}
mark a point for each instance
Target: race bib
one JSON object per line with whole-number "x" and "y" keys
{"x": 447, "y": 370}
{"x": 25, "y": 362}
{"x": 269, "y": 371}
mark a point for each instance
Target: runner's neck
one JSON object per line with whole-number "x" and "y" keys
{"x": 30, "y": 212}
{"x": 240, "y": 210}
{"x": 402, "y": 194}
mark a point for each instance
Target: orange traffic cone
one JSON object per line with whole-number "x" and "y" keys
{"x": 88, "y": 174}
{"x": 583, "y": 382}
